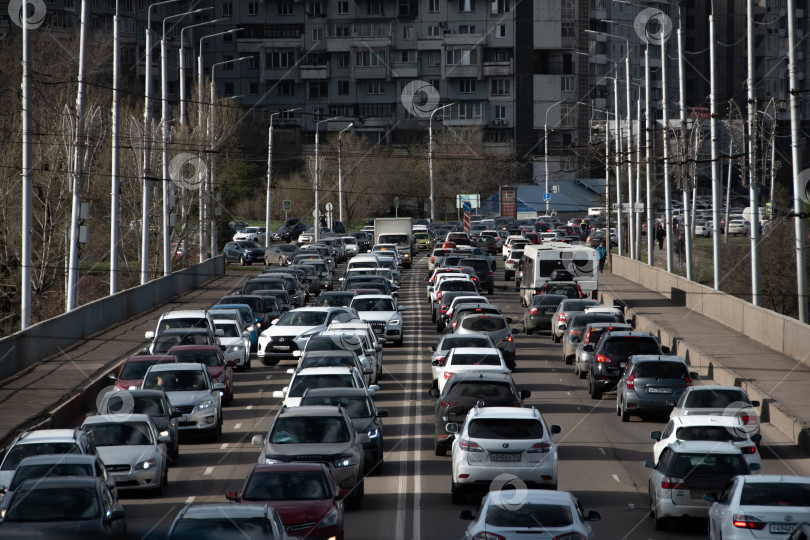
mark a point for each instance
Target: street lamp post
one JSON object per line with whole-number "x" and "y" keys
{"x": 183, "y": 67}
{"x": 340, "y": 172}
{"x": 545, "y": 145}
{"x": 430, "y": 161}
{"x": 270, "y": 175}
{"x": 316, "y": 214}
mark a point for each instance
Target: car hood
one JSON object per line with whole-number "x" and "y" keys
{"x": 319, "y": 452}
{"x": 377, "y": 315}
{"x": 50, "y": 529}
{"x": 230, "y": 341}
{"x": 190, "y": 397}
{"x": 5, "y": 477}
{"x": 125, "y": 455}
{"x": 294, "y": 512}
{"x": 363, "y": 425}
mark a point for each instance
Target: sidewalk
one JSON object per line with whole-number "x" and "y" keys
{"x": 716, "y": 352}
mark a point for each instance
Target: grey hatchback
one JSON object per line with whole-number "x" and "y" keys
{"x": 497, "y": 328}
{"x": 651, "y": 384}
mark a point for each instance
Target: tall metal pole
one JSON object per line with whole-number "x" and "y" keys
{"x": 78, "y": 168}
{"x": 430, "y": 161}
{"x": 115, "y": 181}
{"x": 340, "y": 171}
{"x": 630, "y": 191}
{"x": 637, "y": 222}
{"x": 268, "y": 198}
{"x": 665, "y": 140}
{"x": 545, "y": 145}
{"x": 753, "y": 188}
{"x": 316, "y": 214}
{"x": 648, "y": 158}
{"x": 182, "y": 64}
{"x": 607, "y": 190}
{"x": 687, "y": 209}
{"x": 618, "y": 141}
{"x": 717, "y": 185}
{"x": 27, "y": 103}
{"x": 795, "y": 141}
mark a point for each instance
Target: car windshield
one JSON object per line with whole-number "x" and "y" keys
{"x": 249, "y": 244}
{"x": 192, "y": 322}
{"x": 54, "y": 504}
{"x": 176, "y": 381}
{"x": 137, "y": 369}
{"x": 222, "y": 527}
{"x": 476, "y": 360}
{"x": 23, "y": 473}
{"x": 481, "y": 390}
{"x": 483, "y": 324}
{"x": 356, "y": 406}
{"x": 631, "y": 345}
{"x": 254, "y": 302}
{"x": 505, "y": 428}
{"x": 302, "y": 382}
{"x": 532, "y": 516}
{"x": 302, "y": 318}
{"x": 451, "y": 342}
{"x": 164, "y": 342}
{"x": 20, "y": 451}
{"x": 710, "y": 433}
{"x": 309, "y": 430}
{"x": 127, "y": 403}
{"x": 286, "y": 486}
{"x": 210, "y": 358}
{"x": 775, "y": 494}
{"x": 228, "y": 329}
{"x": 661, "y": 370}
{"x": 373, "y": 304}
{"x": 341, "y": 300}
{"x": 121, "y": 434}
{"x": 705, "y": 465}
{"x": 714, "y": 399}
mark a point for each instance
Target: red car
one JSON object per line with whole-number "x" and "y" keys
{"x": 133, "y": 369}
{"x": 213, "y": 358}
{"x": 304, "y": 494}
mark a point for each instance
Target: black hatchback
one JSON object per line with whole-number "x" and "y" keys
{"x": 463, "y": 391}
{"x": 611, "y": 354}
{"x": 538, "y": 313}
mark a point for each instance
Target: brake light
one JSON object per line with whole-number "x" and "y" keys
{"x": 539, "y": 448}
{"x": 511, "y": 261}
{"x": 444, "y": 308}
{"x": 570, "y": 536}
{"x": 438, "y": 295}
{"x": 448, "y": 374}
{"x": 688, "y": 380}
{"x": 749, "y": 449}
{"x": 432, "y": 259}
{"x": 741, "y": 521}
{"x": 533, "y": 311}
{"x": 469, "y": 446}
{"x": 449, "y": 403}
{"x": 507, "y": 338}
{"x": 489, "y": 274}
{"x": 440, "y": 360}
{"x": 487, "y": 536}
{"x": 562, "y": 317}
{"x": 631, "y": 384}
{"x": 672, "y": 483}
{"x": 601, "y": 358}
{"x": 749, "y": 420}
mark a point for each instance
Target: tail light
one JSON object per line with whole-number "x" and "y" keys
{"x": 444, "y": 308}
{"x": 561, "y": 317}
{"x": 672, "y": 483}
{"x": 602, "y": 359}
{"x": 533, "y": 311}
{"x": 539, "y": 448}
{"x": 508, "y": 338}
{"x": 438, "y": 295}
{"x": 449, "y": 403}
{"x": 440, "y": 360}
{"x": 631, "y": 382}
{"x": 749, "y": 449}
{"x": 432, "y": 259}
{"x": 741, "y": 521}
{"x": 688, "y": 380}
{"x": 448, "y": 374}
{"x": 515, "y": 404}
{"x": 489, "y": 274}
{"x": 570, "y": 536}
{"x": 469, "y": 446}
{"x": 749, "y": 420}
{"x": 510, "y": 261}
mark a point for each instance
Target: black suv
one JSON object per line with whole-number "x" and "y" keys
{"x": 486, "y": 279}
{"x": 463, "y": 391}
{"x": 611, "y": 354}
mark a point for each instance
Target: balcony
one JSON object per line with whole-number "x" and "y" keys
{"x": 497, "y": 69}
{"x": 314, "y": 73}
{"x": 370, "y": 72}
{"x": 409, "y": 70}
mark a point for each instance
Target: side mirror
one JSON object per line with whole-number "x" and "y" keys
{"x": 115, "y": 515}
{"x": 587, "y": 348}
{"x": 281, "y": 394}
{"x": 755, "y": 403}
{"x": 693, "y": 375}
{"x": 223, "y": 348}
{"x": 433, "y": 392}
{"x": 149, "y": 335}
{"x": 400, "y": 308}
{"x": 164, "y": 438}
{"x": 176, "y": 413}
{"x": 113, "y": 376}
{"x": 364, "y": 438}
{"x": 370, "y": 352}
{"x": 231, "y": 363}
{"x": 515, "y": 330}
{"x": 650, "y": 464}
{"x": 437, "y": 363}
{"x": 665, "y": 350}
{"x": 509, "y": 320}
{"x": 655, "y": 435}
{"x": 451, "y": 427}
{"x": 555, "y": 429}
{"x": 373, "y": 389}
{"x": 431, "y": 348}
{"x": 257, "y": 440}
{"x": 343, "y": 493}
{"x": 296, "y": 354}
{"x": 562, "y": 326}
{"x": 382, "y": 413}
{"x": 756, "y": 437}
{"x": 755, "y": 466}
{"x": 219, "y": 386}
{"x": 525, "y": 394}
{"x": 395, "y": 294}
{"x": 291, "y": 371}
{"x": 710, "y": 497}
{"x": 593, "y": 516}
{"x": 232, "y": 496}
{"x": 466, "y": 515}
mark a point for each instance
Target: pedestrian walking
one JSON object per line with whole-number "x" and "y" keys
{"x": 601, "y": 254}
{"x": 660, "y": 234}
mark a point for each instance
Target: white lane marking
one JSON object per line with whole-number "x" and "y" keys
{"x": 631, "y": 506}
{"x": 553, "y": 370}
{"x": 223, "y": 446}
{"x": 237, "y": 426}
{"x": 603, "y": 451}
{"x": 208, "y": 470}
{"x": 249, "y": 407}
{"x": 190, "y": 499}
{"x": 417, "y": 469}
{"x": 569, "y": 393}
{"x": 269, "y": 377}
{"x": 616, "y": 477}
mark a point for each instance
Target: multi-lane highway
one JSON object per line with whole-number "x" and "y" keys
{"x": 601, "y": 458}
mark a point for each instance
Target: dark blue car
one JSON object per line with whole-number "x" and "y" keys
{"x": 245, "y": 252}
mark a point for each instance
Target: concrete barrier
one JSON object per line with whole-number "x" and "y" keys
{"x": 26, "y": 348}
{"x": 782, "y": 334}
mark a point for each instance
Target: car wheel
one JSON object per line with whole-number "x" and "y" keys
{"x": 568, "y": 359}
{"x": 660, "y": 523}
{"x": 440, "y": 449}
{"x": 527, "y": 329}
{"x": 439, "y": 327}
{"x": 247, "y": 361}
{"x": 582, "y": 373}
{"x": 433, "y": 315}
{"x": 399, "y": 342}
{"x": 357, "y": 497}
{"x": 618, "y": 408}
{"x": 242, "y": 260}
{"x": 456, "y": 495}
{"x": 554, "y": 337}
{"x": 213, "y": 435}
{"x": 625, "y": 414}
{"x": 491, "y": 291}
{"x": 269, "y": 361}
{"x": 595, "y": 393}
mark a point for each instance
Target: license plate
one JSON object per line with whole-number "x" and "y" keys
{"x": 120, "y": 477}
{"x": 183, "y": 419}
{"x": 281, "y": 347}
{"x": 511, "y": 456}
{"x": 551, "y": 311}
{"x": 780, "y": 528}
{"x": 658, "y": 390}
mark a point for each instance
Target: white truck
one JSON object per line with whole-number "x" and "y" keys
{"x": 540, "y": 260}
{"x": 396, "y": 231}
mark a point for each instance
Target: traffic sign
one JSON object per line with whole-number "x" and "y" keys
{"x": 396, "y": 202}
{"x": 546, "y": 196}
{"x": 286, "y": 205}
{"x": 466, "y": 206}
{"x": 329, "y": 207}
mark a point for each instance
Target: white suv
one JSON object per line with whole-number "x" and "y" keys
{"x": 497, "y": 441}
{"x": 382, "y": 313}
{"x": 185, "y": 318}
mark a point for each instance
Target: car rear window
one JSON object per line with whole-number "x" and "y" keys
{"x": 465, "y": 341}
{"x": 529, "y": 515}
{"x": 49, "y": 469}
{"x": 631, "y": 345}
{"x": 480, "y": 265}
{"x": 709, "y": 433}
{"x": 547, "y": 299}
{"x": 662, "y": 370}
{"x": 20, "y": 451}
{"x": 476, "y": 360}
{"x": 505, "y": 428}
{"x": 707, "y": 465}
{"x": 137, "y": 369}
{"x": 481, "y": 390}
{"x": 714, "y": 399}
{"x": 208, "y": 358}
{"x": 457, "y": 285}
{"x": 483, "y": 324}
{"x": 282, "y": 486}
{"x": 775, "y": 494}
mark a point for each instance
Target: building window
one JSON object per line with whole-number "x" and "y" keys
{"x": 94, "y": 22}
{"x": 253, "y": 62}
{"x": 497, "y": 55}
{"x": 229, "y": 65}
{"x": 466, "y": 86}
{"x": 434, "y": 58}
{"x": 317, "y": 34}
{"x": 500, "y": 30}
{"x": 433, "y": 6}
{"x": 141, "y": 5}
{"x": 316, "y": 9}
{"x": 318, "y": 89}
{"x": 369, "y": 58}
{"x": 500, "y": 112}
{"x": 407, "y": 32}
{"x": 280, "y": 59}
{"x": 466, "y": 110}
{"x": 466, "y": 6}
{"x": 343, "y": 60}
{"x": 227, "y": 89}
{"x": 501, "y": 6}
{"x": 342, "y": 30}
{"x": 253, "y": 89}
{"x": 407, "y": 56}
{"x": 568, "y": 115}
{"x": 600, "y": 4}
{"x": 127, "y": 7}
{"x": 284, "y": 8}
{"x": 343, "y": 7}
{"x": 286, "y": 88}
{"x": 566, "y": 84}
{"x": 501, "y": 87}
{"x": 435, "y": 83}
{"x": 374, "y": 7}
{"x": 376, "y": 88}
{"x": 567, "y": 10}
{"x": 253, "y": 9}
{"x": 567, "y": 29}
{"x": 343, "y": 88}
{"x": 227, "y": 38}
{"x": 227, "y": 9}
{"x": 466, "y": 29}
{"x": 461, "y": 57}
{"x": 434, "y": 31}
